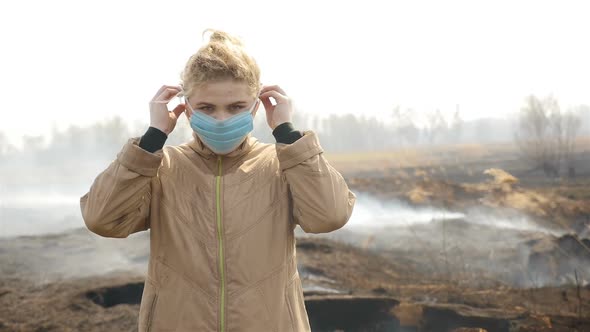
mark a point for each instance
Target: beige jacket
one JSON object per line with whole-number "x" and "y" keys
{"x": 222, "y": 229}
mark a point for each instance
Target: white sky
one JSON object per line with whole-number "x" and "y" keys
{"x": 78, "y": 62}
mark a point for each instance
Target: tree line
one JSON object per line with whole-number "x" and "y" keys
{"x": 545, "y": 134}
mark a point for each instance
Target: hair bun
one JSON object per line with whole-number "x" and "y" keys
{"x": 223, "y": 56}
{"x": 221, "y": 37}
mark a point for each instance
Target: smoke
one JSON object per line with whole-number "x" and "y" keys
{"x": 36, "y": 213}
{"x": 504, "y": 244}
{"x": 37, "y": 199}
{"x": 372, "y": 212}
{"x": 43, "y": 238}
{"x": 507, "y": 220}
{"x": 42, "y": 229}
{"x": 72, "y": 254}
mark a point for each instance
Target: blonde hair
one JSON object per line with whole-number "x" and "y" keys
{"x": 223, "y": 57}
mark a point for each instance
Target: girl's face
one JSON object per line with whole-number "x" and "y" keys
{"x": 221, "y": 99}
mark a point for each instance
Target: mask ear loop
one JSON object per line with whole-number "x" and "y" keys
{"x": 256, "y": 100}
{"x": 185, "y": 99}
{"x": 259, "y": 93}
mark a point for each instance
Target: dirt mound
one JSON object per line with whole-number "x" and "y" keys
{"x": 502, "y": 178}
{"x": 438, "y": 193}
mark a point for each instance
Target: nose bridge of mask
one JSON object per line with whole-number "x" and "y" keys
{"x": 255, "y": 101}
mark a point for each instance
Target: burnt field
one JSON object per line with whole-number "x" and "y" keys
{"x": 465, "y": 238}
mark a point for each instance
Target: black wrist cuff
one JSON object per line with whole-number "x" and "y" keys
{"x": 286, "y": 133}
{"x": 153, "y": 140}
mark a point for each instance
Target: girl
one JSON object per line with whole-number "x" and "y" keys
{"x": 223, "y": 207}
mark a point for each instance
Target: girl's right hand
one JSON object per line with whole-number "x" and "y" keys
{"x": 160, "y": 117}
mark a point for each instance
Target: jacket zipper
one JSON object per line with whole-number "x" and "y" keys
{"x": 220, "y": 239}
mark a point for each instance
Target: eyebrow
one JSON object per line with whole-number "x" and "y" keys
{"x": 209, "y": 104}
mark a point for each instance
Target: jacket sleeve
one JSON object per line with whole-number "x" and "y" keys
{"x": 322, "y": 201}
{"x": 118, "y": 202}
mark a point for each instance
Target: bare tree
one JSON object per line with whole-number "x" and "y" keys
{"x": 546, "y": 135}
{"x": 404, "y": 125}
{"x": 436, "y": 126}
{"x": 571, "y": 126}
{"x": 5, "y": 146}
{"x": 456, "y": 126}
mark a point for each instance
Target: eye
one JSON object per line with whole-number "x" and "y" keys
{"x": 206, "y": 108}
{"x": 236, "y": 107}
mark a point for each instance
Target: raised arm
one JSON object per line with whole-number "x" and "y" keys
{"x": 118, "y": 202}
{"x": 322, "y": 201}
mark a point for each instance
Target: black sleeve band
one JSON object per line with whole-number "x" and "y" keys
{"x": 286, "y": 133}
{"x": 153, "y": 140}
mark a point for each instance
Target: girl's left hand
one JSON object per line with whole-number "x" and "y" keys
{"x": 279, "y": 113}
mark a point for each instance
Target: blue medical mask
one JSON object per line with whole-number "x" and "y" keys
{"x": 223, "y": 136}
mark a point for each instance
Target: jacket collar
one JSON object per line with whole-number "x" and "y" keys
{"x": 199, "y": 147}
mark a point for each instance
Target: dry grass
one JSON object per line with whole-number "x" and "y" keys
{"x": 431, "y": 157}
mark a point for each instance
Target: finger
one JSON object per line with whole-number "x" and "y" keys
{"x": 167, "y": 94}
{"x": 270, "y": 87}
{"x": 273, "y": 87}
{"x": 164, "y": 87}
{"x": 267, "y": 103}
{"x": 268, "y": 113}
{"x": 281, "y": 99}
{"x": 268, "y": 108}
{"x": 179, "y": 109}
{"x": 159, "y": 91}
